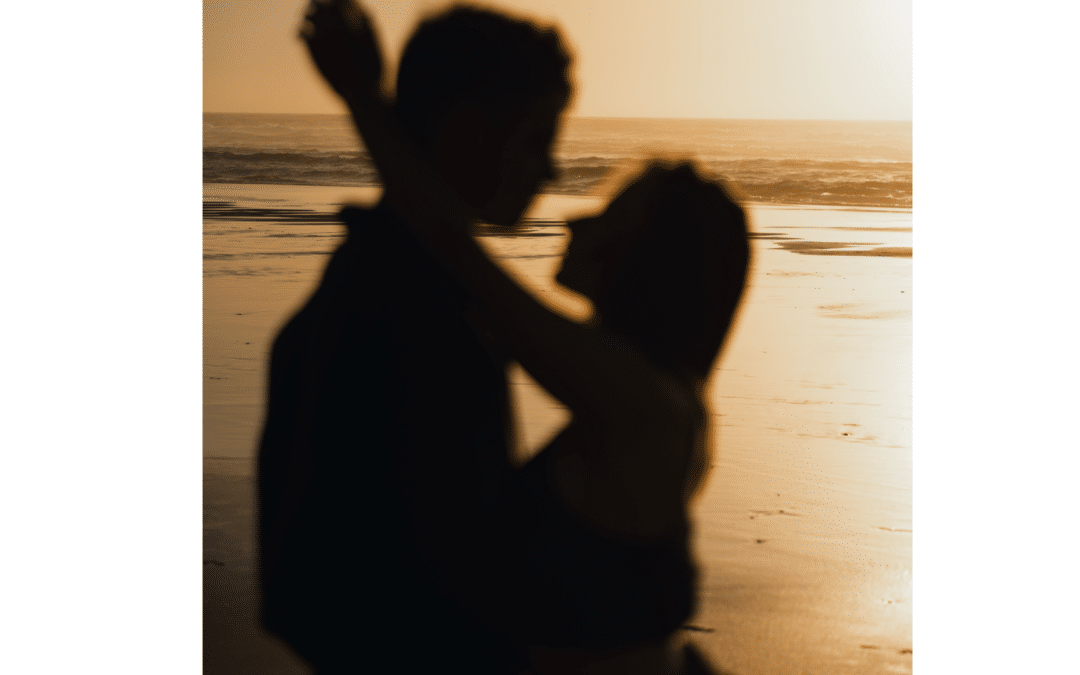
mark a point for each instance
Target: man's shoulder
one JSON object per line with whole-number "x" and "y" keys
{"x": 356, "y": 217}
{"x": 346, "y": 288}
{"x": 363, "y": 274}
{"x": 380, "y": 280}
{"x": 395, "y": 263}
{"x": 376, "y": 246}
{"x": 373, "y": 225}
{"x": 371, "y": 251}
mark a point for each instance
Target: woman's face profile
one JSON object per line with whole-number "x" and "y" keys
{"x": 599, "y": 243}
{"x": 587, "y": 261}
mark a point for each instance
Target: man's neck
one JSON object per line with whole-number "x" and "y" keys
{"x": 391, "y": 196}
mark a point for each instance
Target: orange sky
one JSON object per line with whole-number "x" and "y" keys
{"x": 785, "y": 59}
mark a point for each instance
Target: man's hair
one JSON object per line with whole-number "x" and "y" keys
{"x": 471, "y": 56}
{"x": 675, "y": 292}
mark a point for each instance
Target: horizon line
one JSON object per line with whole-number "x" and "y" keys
{"x": 614, "y": 117}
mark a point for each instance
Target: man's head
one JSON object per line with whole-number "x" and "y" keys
{"x": 482, "y": 94}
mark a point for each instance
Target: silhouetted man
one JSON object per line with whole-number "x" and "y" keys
{"x": 384, "y": 457}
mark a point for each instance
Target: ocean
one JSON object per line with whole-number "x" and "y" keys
{"x": 835, "y": 163}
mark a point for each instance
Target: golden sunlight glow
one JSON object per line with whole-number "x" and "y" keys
{"x": 750, "y": 59}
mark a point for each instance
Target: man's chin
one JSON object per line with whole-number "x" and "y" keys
{"x": 505, "y": 214}
{"x": 503, "y": 222}
{"x": 503, "y": 219}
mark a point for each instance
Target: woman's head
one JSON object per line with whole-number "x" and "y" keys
{"x": 665, "y": 266}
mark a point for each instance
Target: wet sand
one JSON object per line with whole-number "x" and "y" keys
{"x": 803, "y": 530}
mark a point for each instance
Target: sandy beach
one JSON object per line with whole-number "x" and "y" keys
{"x": 803, "y": 530}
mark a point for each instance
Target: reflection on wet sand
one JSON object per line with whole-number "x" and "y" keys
{"x": 803, "y": 530}
{"x": 840, "y": 248}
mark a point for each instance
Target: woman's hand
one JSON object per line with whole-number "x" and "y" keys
{"x": 342, "y": 42}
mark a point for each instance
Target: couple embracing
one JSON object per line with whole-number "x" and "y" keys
{"x": 395, "y": 535}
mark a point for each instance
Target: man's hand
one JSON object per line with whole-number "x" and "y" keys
{"x": 343, "y": 44}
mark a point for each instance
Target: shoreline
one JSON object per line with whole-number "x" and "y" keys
{"x": 272, "y": 203}
{"x": 375, "y": 190}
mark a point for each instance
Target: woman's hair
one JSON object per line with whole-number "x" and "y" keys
{"x": 675, "y": 292}
{"x": 477, "y": 57}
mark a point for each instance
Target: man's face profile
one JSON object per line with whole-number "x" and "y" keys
{"x": 525, "y": 163}
{"x": 497, "y": 169}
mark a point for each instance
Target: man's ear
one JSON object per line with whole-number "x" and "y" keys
{"x": 468, "y": 154}
{"x": 466, "y": 134}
